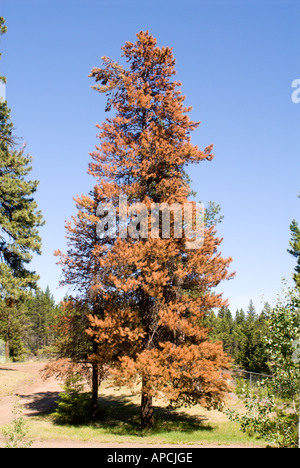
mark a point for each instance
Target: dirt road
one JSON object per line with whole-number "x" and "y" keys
{"x": 35, "y": 397}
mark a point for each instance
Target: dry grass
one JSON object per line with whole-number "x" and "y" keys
{"x": 11, "y": 379}
{"x": 119, "y": 418}
{"x": 119, "y": 422}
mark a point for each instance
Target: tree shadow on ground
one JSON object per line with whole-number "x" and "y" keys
{"x": 40, "y": 403}
{"x": 121, "y": 416}
{"x": 7, "y": 369}
{"x": 118, "y": 415}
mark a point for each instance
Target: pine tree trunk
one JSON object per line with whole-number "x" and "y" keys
{"x": 7, "y": 339}
{"x": 7, "y": 350}
{"x": 147, "y": 417}
{"x": 95, "y": 367}
{"x": 95, "y": 390}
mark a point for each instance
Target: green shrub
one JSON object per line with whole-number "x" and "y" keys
{"x": 267, "y": 417}
{"x": 74, "y": 405}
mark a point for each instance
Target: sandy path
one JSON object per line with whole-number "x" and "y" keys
{"x": 35, "y": 397}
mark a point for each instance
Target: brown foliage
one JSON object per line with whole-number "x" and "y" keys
{"x": 147, "y": 297}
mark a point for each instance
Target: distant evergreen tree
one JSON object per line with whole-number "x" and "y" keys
{"x": 242, "y": 336}
{"x": 251, "y": 312}
{"x": 30, "y": 324}
{"x": 252, "y": 354}
{"x": 265, "y": 311}
{"x": 13, "y": 322}
{"x": 238, "y": 335}
{"x": 223, "y": 330}
{"x": 240, "y": 316}
{"x": 41, "y": 313}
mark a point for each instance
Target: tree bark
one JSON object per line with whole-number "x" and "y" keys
{"x": 7, "y": 339}
{"x": 95, "y": 367}
{"x": 7, "y": 350}
{"x": 95, "y": 390}
{"x": 147, "y": 417}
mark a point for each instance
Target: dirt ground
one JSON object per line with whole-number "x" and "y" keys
{"x": 35, "y": 396}
{"x": 39, "y": 395}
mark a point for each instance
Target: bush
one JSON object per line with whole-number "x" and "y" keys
{"x": 74, "y": 405}
{"x": 272, "y": 410}
{"x": 267, "y": 417}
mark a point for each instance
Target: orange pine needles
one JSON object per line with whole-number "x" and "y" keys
{"x": 147, "y": 297}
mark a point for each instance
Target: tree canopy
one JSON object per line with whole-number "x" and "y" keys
{"x": 147, "y": 296}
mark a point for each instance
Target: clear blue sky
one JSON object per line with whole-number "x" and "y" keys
{"x": 236, "y": 60}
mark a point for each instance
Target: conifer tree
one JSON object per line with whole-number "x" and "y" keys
{"x": 41, "y": 311}
{"x": 148, "y": 296}
{"x": 295, "y": 249}
{"x": 252, "y": 355}
{"x": 4, "y": 137}
{"x": 19, "y": 217}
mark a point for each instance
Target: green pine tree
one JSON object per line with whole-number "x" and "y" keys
{"x": 4, "y": 137}
{"x": 252, "y": 355}
{"x": 240, "y": 316}
{"x": 41, "y": 313}
{"x": 295, "y": 249}
{"x": 251, "y": 312}
{"x": 19, "y": 218}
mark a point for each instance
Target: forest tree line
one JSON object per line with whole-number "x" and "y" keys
{"x": 32, "y": 333}
{"x": 28, "y": 327}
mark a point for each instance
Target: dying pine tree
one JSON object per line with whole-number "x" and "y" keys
{"x": 147, "y": 297}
